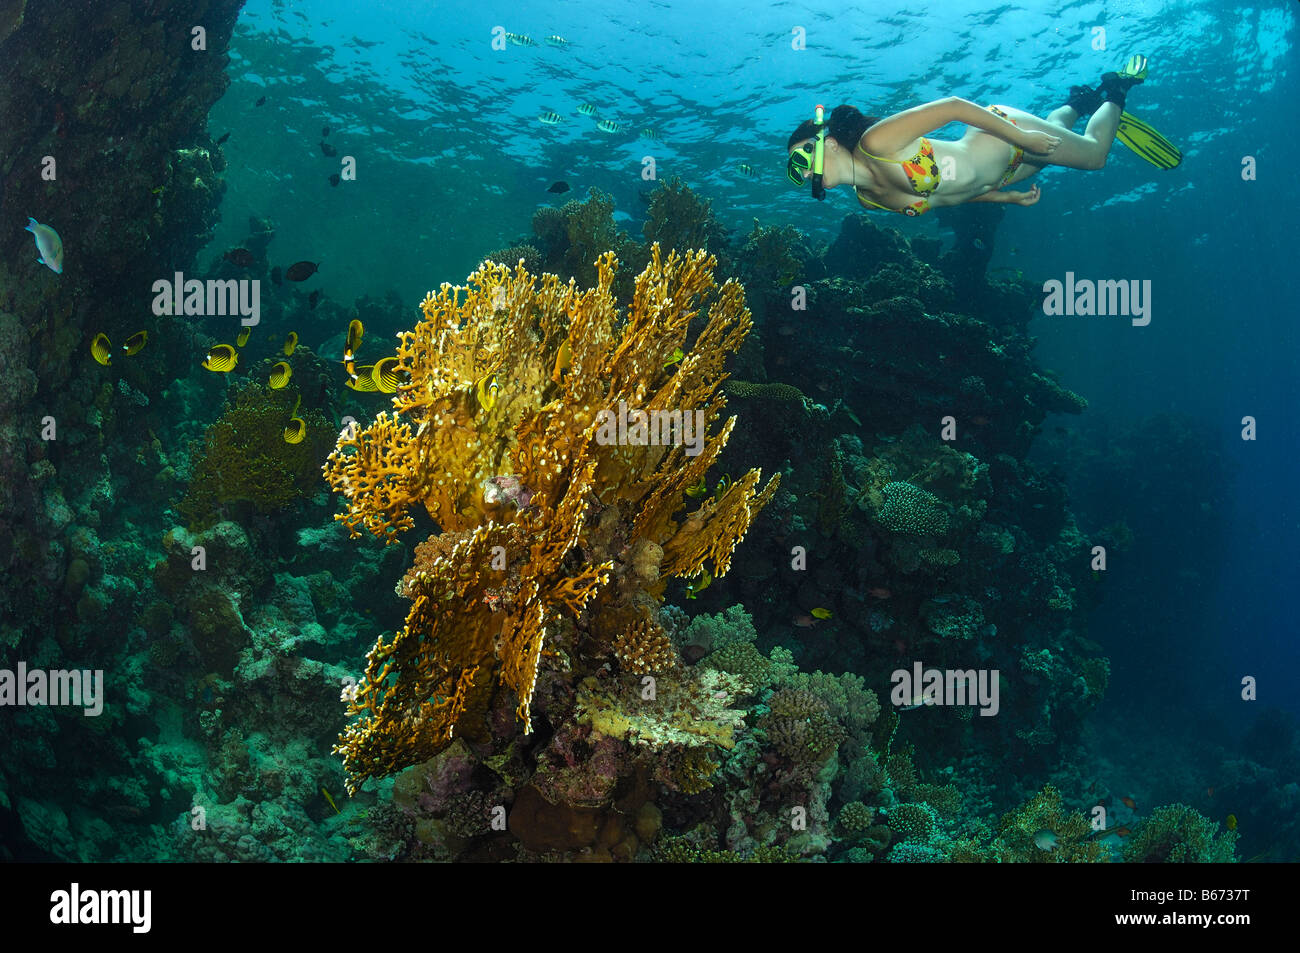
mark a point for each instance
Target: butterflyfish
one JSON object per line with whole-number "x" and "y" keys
{"x": 135, "y": 343}
{"x": 101, "y": 350}
{"x": 698, "y": 490}
{"x": 290, "y": 343}
{"x": 280, "y": 375}
{"x": 388, "y": 375}
{"x": 353, "y": 342}
{"x": 674, "y": 358}
{"x": 296, "y": 430}
{"x": 221, "y": 359}
{"x": 699, "y": 583}
{"x": 563, "y": 361}
{"x": 242, "y": 338}
{"x": 362, "y": 378}
{"x": 486, "y": 391}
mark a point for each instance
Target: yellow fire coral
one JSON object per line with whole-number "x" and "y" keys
{"x": 502, "y": 432}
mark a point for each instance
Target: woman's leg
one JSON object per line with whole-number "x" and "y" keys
{"x": 1087, "y": 151}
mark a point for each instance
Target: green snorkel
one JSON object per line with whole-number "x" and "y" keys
{"x": 819, "y": 153}
{"x": 809, "y": 158}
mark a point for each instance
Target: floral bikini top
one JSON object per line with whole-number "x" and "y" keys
{"x": 922, "y": 172}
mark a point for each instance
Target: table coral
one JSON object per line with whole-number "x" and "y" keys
{"x": 505, "y": 572}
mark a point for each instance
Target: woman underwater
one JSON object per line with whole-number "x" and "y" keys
{"x": 893, "y": 166}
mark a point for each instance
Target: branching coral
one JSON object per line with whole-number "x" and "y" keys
{"x": 644, "y": 648}
{"x": 1041, "y": 830}
{"x": 914, "y": 822}
{"x": 800, "y": 727}
{"x": 507, "y": 379}
{"x": 1178, "y": 834}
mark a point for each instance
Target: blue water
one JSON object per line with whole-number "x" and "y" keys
{"x": 452, "y": 160}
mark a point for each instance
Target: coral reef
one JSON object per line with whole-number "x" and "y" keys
{"x": 504, "y": 566}
{"x": 1178, "y": 834}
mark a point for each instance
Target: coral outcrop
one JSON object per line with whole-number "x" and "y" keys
{"x": 517, "y": 378}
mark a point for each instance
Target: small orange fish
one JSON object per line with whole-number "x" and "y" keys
{"x": 880, "y": 592}
{"x": 804, "y": 621}
{"x": 1123, "y": 831}
{"x": 1129, "y": 803}
{"x": 1209, "y": 792}
{"x": 980, "y": 421}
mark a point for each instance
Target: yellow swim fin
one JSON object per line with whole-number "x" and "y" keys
{"x": 1147, "y": 143}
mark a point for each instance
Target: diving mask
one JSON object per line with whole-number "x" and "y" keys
{"x": 809, "y": 157}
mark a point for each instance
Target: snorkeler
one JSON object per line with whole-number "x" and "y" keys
{"x": 893, "y": 166}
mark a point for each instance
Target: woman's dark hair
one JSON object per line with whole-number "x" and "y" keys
{"x": 845, "y": 125}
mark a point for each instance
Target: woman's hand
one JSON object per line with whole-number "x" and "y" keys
{"x": 1025, "y": 198}
{"x": 1040, "y": 143}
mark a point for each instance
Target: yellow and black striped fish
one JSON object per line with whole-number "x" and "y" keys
{"x": 485, "y": 389}
{"x": 609, "y": 125}
{"x": 550, "y": 119}
{"x": 280, "y": 375}
{"x": 353, "y": 344}
{"x": 587, "y": 109}
{"x": 101, "y": 350}
{"x": 221, "y": 359}
{"x": 290, "y": 343}
{"x": 563, "y": 360}
{"x": 135, "y": 343}
{"x": 242, "y": 338}
{"x": 388, "y": 375}
{"x": 362, "y": 378}
{"x": 296, "y": 430}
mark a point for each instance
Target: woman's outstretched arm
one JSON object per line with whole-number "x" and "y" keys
{"x": 901, "y": 129}
{"x": 1009, "y": 198}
